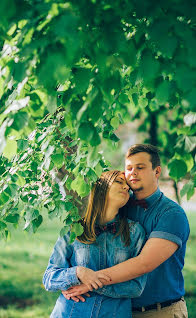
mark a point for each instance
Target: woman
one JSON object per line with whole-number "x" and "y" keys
{"x": 108, "y": 239}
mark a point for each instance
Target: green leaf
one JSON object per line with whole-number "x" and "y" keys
{"x": 86, "y": 131}
{"x": 168, "y": 45}
{"x": 68, "y": 206}
{"x": 31, "y": 214}
{"x": 68, "y": 183}
{"x": 84, "y": 189}
{"x": 12, "y": 218}
{"x": 188, "y": 160}
{"x": 163, "y": 92}
{"x": 57, "y": 211}
{"x": 12, "y": 189}
{"x": 190, "y": 143}
{"x": 98, "y": 169}
{"x": 20, "y": 120}
{"x": 64, "y": 230}
{"x": 58, "y": 160}
{"x": 114, "y": 122}
{"x": 37, "y": 222}
{"x": 72, "y": 237}
{"x": 178, "y": 169}
{"x": 95, "y": 140}
{"x": 92, "y": 158}
{"x": 82, "y": 77}
{"x": 80, "y": 186}
{"x": 10, "y": 149}
{"x": 22, "y": 144}
{"x": 149, "y": 66}
{"x": 77, "y": 228}
{"x": 114, "y": 138}
{"x": 143, "y": 102}
{"x": 2, "y": 226}
{"x": 95, "y": 109}
{"x": 190, "y": 119}
{"x": 123, "y": 98}
{"x": 52, "y": 104}
{"x": 188, "y": 189}
{"x": 3, "y": 198}
{"x": 20, "y": 181}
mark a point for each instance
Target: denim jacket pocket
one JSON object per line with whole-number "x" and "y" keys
{"x": 121, "y": 255}
{"x": 82, "y": 255}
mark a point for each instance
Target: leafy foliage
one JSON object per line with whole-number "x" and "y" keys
{"x": 71, "y": 72}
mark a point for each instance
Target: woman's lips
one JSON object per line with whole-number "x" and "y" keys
{"x": 124, "y": 193}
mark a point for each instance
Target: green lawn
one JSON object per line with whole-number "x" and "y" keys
{"x": 24, "y": 258}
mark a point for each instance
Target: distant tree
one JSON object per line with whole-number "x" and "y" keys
{"x": 71, "y": 72}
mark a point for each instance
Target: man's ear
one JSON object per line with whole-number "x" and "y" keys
{"x": 158, "y": 171}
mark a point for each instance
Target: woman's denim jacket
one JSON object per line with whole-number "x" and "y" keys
{"x": 106, "y": 252}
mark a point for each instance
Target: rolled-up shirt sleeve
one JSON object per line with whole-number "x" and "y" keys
{"x": 172, "y": 226}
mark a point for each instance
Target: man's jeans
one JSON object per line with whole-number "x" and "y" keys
{"x": 176, "y": 310}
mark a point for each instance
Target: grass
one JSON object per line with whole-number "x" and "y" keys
{"x": 23, "y": 261}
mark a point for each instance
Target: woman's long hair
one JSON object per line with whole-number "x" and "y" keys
{"x": 95, "y": 213}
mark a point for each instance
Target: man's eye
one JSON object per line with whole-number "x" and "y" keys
{"x": 139, "y": 168}
{"x": 118, "y": 181}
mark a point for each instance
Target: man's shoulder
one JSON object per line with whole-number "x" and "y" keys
{"x": 167, "y": 204}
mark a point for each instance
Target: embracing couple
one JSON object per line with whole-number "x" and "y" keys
{"x": 128, "y": 262}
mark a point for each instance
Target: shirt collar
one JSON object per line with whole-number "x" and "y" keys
{"x": 152, "y": 198}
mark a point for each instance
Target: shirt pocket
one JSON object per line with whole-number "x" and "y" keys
{"x": 82, "y": 255}
{"x": 121, "y": 255}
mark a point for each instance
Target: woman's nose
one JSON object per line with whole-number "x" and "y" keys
{"x": 126, "y": 187}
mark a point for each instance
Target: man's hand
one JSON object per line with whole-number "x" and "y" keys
{"x": 76, "y": 292}
{"x": 91, "y": 278}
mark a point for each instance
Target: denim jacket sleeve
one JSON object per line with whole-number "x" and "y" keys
{"x": 132, "y": 288}
{"x": 59, "y": 275}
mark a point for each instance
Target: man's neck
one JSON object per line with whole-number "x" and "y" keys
{"x": 140, "y": 195}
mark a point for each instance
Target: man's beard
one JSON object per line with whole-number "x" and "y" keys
{"x": 137, "y": 190}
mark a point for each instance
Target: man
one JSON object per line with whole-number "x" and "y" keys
{"x": 167, "y": 232}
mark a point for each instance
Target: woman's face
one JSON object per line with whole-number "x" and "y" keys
{"x": 119, "y": 191}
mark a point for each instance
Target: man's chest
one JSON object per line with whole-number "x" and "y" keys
{"x": 147, "y": 218}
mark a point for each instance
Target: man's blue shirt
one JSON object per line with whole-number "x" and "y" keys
{"x": 167, "y": 220}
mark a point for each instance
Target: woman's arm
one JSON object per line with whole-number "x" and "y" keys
{"x": 131, "y": 288}
{"x": 59, "y": 275}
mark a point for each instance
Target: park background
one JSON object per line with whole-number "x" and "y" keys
{"x": 80, "y": 82}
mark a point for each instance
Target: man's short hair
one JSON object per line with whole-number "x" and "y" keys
{"x": 152, "y": 150}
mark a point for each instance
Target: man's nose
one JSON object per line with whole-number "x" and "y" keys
{"x": 133, "y": 172}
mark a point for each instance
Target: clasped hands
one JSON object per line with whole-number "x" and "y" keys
{"x": 90, "y": 280}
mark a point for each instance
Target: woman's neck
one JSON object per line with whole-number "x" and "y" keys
{"x": 110, "y": 214}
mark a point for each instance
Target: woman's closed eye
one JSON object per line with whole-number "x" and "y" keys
{"x": 118, "y": 181}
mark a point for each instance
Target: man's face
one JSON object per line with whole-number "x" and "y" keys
{"x": 139, "y": 174}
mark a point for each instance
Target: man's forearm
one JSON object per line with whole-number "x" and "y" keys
{"x": 125, "y": 271}
{"x": 154, "y": 253}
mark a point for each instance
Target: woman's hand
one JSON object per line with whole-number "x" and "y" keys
{"x": 91, "y": 278}
{"x": 76, "y": 293}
